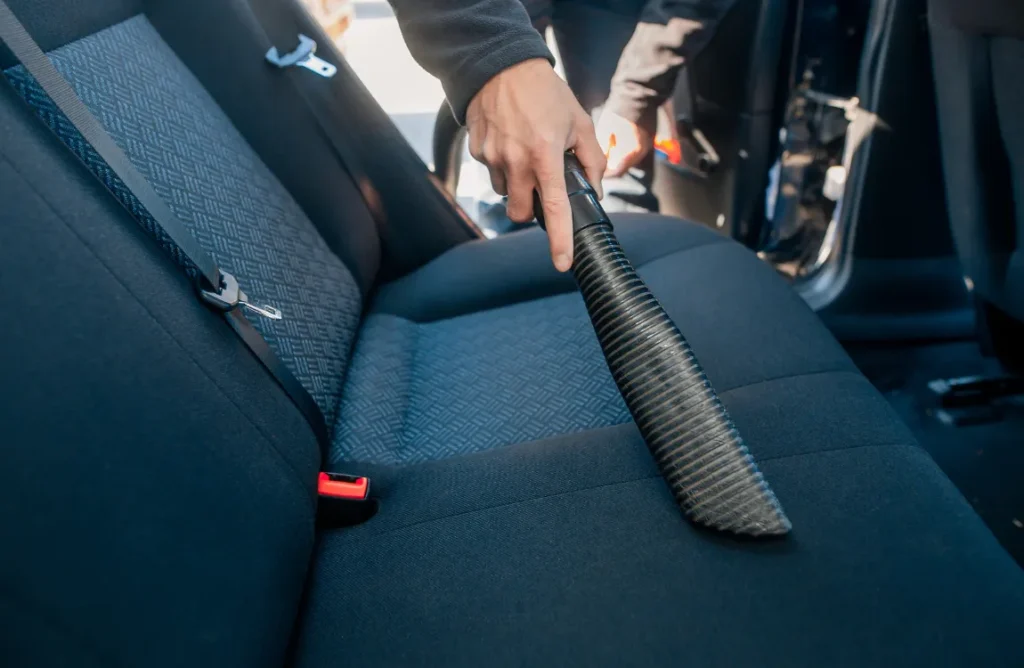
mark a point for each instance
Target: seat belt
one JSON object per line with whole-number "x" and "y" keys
{"x": 112, "y": 168}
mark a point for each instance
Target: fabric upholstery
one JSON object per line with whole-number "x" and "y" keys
{"x": 517, "y": 267}
{"x": 528, "y": 370}
{"x": 222, "y": 44}
{"x": 765, "y": 413}
{"x": 571, "y": 551}
{"x": 518, "y": 373}
{"x": 54, "y": 23}
{"x": 198, "y": 163}
{"x": 156, "y": 487}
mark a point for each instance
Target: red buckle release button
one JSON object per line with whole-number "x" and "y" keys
{"x": 341, "y": 486}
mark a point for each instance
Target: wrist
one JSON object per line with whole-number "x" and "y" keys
{"x": 530, "y": 69}
{"x": 473, "y": 77}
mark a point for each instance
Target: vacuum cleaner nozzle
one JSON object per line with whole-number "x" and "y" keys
{"x": 697, "y": 447}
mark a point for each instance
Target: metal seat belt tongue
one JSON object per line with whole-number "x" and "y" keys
{"x": 229, "y": 296}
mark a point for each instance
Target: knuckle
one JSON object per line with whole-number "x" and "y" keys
{"x": 516, "y": 158}
{"x": 518, "y": 188}
{"x": 476, "y": 150}
{"x": 548, "y": 171}
{"x": 556, "y": 206}
{"x": 491, "y": 155}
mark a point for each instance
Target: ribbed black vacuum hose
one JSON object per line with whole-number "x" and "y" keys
{"x": 687, "y": 429}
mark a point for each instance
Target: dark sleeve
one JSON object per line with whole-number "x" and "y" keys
{"x": 464, "y": 43}
{"x": 669, "y": 33}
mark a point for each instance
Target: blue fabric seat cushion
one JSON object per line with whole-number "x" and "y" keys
{"x": 571, "y": 551}
{"x": 489, "y": 346}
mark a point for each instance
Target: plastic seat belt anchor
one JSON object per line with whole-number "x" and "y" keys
{"x": 304, "y": 55}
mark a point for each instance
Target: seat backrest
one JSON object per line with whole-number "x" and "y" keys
{"x": 978, "y": 56}
{"x": 157, "y": 489}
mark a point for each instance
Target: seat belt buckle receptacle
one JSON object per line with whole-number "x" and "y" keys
{"x": 341, "y": 486}
{"x": 344, "y": 500}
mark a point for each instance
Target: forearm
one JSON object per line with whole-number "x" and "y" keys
{"x": 465, "y": 43}
{"x": 670, "y": 33}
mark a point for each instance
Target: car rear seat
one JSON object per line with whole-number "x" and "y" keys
{"x": 157, "y": 489}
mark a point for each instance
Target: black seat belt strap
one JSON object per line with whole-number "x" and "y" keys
{"x": 109, "y": 165}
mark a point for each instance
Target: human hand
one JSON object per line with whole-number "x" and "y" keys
{"x": 624, "y": 143}
{"x": 520, "y": 125}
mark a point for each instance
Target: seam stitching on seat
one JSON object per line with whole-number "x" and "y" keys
{"x": 721, "y": 393}
{"x": 656, "y": 476}
{"x": 401, "y": 426}
{"x": 516, "y": 502}
{"x": 681, "y": 251}
{"x": 797, "y": 455}
{"x": 788, "y": 376}
{"x": 556, "y": 293}
{"x": 267, "y": 440}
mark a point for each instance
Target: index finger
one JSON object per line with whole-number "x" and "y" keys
{"x": 554, "y": 199}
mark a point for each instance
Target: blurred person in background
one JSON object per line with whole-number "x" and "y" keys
{"x": 621, "y": 59}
